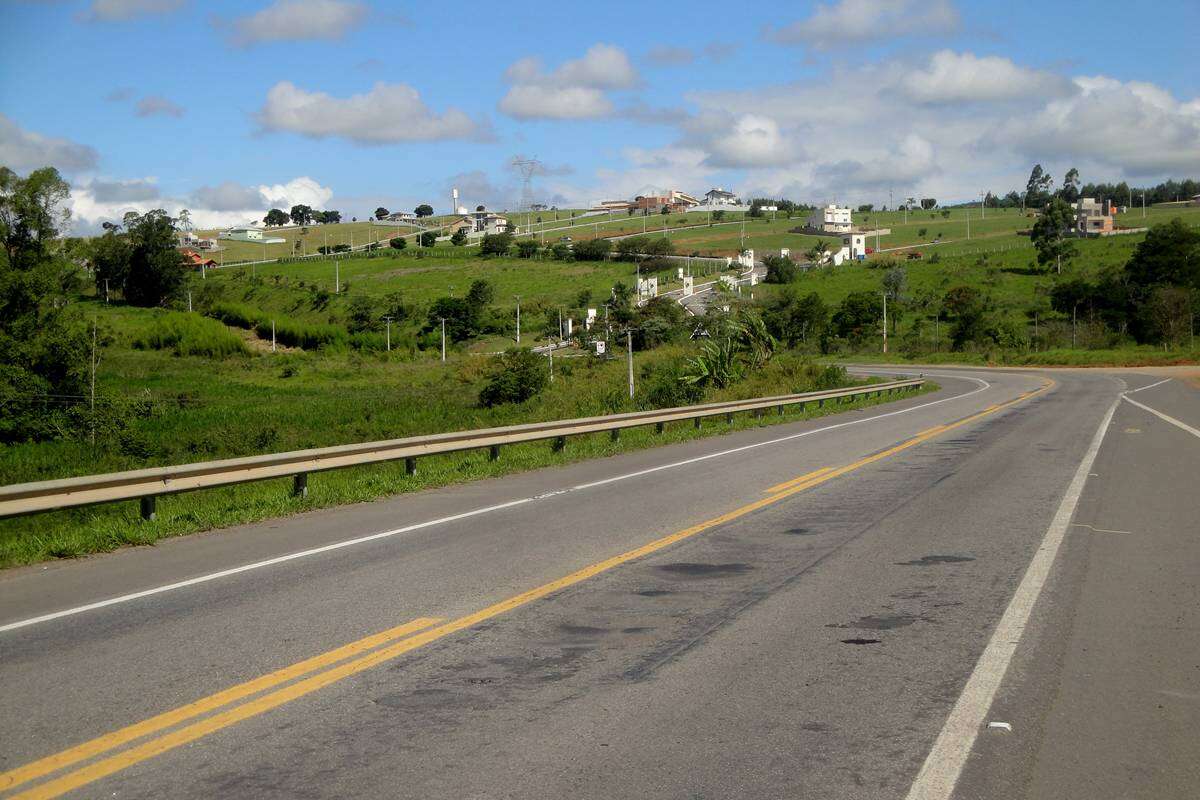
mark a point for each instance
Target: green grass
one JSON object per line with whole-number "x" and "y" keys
{"x": 187, "y": 334}
{"x": 181, "y": 409}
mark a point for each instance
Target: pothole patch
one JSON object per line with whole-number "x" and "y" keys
{"x": 929, "y": 561}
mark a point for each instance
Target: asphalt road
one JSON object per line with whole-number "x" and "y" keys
{"x": 838, "y": 608}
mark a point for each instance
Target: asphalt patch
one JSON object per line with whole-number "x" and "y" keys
{"x": 860, "y": 641}
{"x": 929, "y": 561}
{"x": 691, "y": 570}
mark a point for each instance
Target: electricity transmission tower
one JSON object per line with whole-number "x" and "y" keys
{"x": 528, "y": 168}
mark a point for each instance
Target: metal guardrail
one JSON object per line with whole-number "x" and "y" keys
{"x": 147, "y": 484}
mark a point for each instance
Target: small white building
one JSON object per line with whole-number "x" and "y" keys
{"x": 830, "y": 219}
{"x": 488, "y": 222}
{"x": 247, "y": 233}
{"x": 402, "y": 216}
{"x": 719, "y": 197}
{"x": 856, "y": 243}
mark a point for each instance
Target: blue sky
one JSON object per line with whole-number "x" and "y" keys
{"x": 227, "y": 107}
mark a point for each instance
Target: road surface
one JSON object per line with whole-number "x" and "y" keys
{"x": 988, "y": 591}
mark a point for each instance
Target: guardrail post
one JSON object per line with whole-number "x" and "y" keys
{"x": 615, "y": 434}
{"x": 659, "y": 427}
{"x": 410, "y": 466}
{"x": 300, "y": 484}
{"x": 494, "y": 452}
{"x": 821, "y": 403}
{"x": 559, "y": 443}
{"x": 729, "y": 418}
{"x": 779, "y": 409}
{"x": 696, "y": 422}
{"x": 148, "y": 510}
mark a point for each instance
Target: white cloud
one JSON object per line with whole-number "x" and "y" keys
{"x": 227, "y": 204}
{"x": 155, "y": 105}
{"x": 575, "y": 90}
{"x": 388, "y": 113}
{"x": 120, "y": 10}
{"x": 295, "y": 20}
{"x": 548, "y": 102}
{"x": 748, "y": 140}
{"x": 23, "y": 150}
{"x": 953, "y": 77}
{"x": 857, "y": 21}
{"x": 670, "y": 56}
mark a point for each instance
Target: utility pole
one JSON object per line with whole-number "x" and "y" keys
{"x": 1074, "y": 309}
{"x": 550, "y": 353}
{"x": 93, "y": 383}
{"x": 337, "y": 278}
{"x": 629, "y": 358}
{"x": 1143, "y": 208}
{"x": 443, "y": 319}
{"x": 968, "y": 224}
{"x": 983, "y": 205}
{"x": 885, "y": 322}
{"x": 518, "y": 318}
{"x": 272, "y": 336}
{"x": 387, "y": 318}
{"x": 189, "y": 300}
{"x": 202, "y": 272}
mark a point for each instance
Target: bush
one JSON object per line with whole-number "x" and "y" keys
{"x": 527, "y": 248}
{"x": 398, "y": 243}
{"x": 298, "y": 334}
{"x": 562, "y": 252}
{"x": 592, "y": 250}
{"x": 514, "y": 377}
{"x": 458, "y": 238}
{"x": 496, "y": 244}
{"x": 781, "y": 269}
{"x": 188, "y": 334}
{"x": 237, "y": 315}
{"x": 663, "y": 385}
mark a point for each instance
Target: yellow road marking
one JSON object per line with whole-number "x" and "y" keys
{"x": 189, "y": 733}
{"x": 779, "y": 487}
{"x": 109, "y": 741}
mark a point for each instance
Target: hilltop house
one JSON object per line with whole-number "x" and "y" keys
{"x": 1093, "y": 217}
{"x": 248, "y": 233}
{"x": 720, "y": 197}
{"x": 830, "y": 219}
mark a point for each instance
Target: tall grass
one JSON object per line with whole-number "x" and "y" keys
{"x": 188, "y": 334}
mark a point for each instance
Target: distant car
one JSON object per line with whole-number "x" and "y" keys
{"x": 914, "y": 255}
{"x": 936, "y": 241}
{"x": 564, "y": 238}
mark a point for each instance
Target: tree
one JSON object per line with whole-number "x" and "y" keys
{"x": 966, "y": 308}
{"x": 527, "y": 248}
{"x": 110, "y": 256}
{"x": 423, "y": 210}
{"x": 496, "y": 244}
{"x": 459, "y": 237}
{"x": 1037, "y": 186}
{"x": 428, "y": 239}
{"x": 44, "y": 345}
{"x": 1049, "y": 233}
{"x": 514, "y": 377}
{"x": 276, "y": 217}
{"x": 818, "y": 252}
{"x": 398, "y": 243}
{"x": 480, "y": 296}
{"x": 329, "y": 217}
{"x": 592, "y": 250}
{"x": 895, "y": 282}
{"x": 859, "y": 315}
{"x": 1070, "y": 187}
{"x": 796, "y": 319}
{"x": 156, "y": 268}
{"x": 300, "y": 214}
{"x": 1169, "y": 255}
{"x": 1171, "y": 311}
{"x": 928, "y": 203}
{"x": 945, "y": 213}
{"x": 381, "y": 212}
{"x": 781, "y": 269}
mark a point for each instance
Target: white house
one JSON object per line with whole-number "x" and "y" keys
{"x": 401, "y": 216}
{"x": 830, "y": 219}
{"x": 720, "y": 197}
{"x": 488, "y": 222}
{"x": 248, "y": 234}
{"x": 856, "y": 243}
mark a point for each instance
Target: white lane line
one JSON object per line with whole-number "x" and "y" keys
{"x": 1151, "y": 386}
{"x": 1164, "y": 417}
{"x": 945, "y": 761}
{"x": 125, "y": 598}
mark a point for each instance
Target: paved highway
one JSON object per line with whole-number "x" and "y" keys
{"x": 988, "y": 591}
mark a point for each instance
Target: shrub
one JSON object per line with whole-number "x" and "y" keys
{"x": 562, "y": 252}
{"x": 298, "y": 334}
{"x": 237, "y": 315}
{"x": 664, "y": 385}
{"x": 188, "y": 334}
{"x": 398, "y": 243}
{"x": 781, "y": 269}
{"x": 513, "y": 377}
{"x": 592, "y": 250}
{"x": 527, "y": 248}
{"x": 495, "y": 244}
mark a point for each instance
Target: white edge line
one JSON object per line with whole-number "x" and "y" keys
{"x": 1162, "y": 416}
{"x": 943, "y": 766}
{"x": 1151, "y": 386}
{"x": 212, "y": 576}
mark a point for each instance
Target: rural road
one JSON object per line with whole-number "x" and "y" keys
{"x": 836, "y": 608}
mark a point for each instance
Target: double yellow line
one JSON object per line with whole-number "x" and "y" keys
{"x": 342, "y": 662}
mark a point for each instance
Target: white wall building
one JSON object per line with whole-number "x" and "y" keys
{"x": 857, "y": 244}
{"x": 719, "y": 197}
{"x": 830, "y": 219}
{"x": 248, "y": 234}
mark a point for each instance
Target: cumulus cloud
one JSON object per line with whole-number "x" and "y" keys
{"x": 858, "y": 21}
{"x": 297, "y": 20}
{"x": 121, "y": 10}
{"x": 951, "y": 77}
{"x": 388, "y": 113}
{"x": 155, "y": 105}
{"x": 577, "y": 89}
{"x": 743, "y": 140}
{"x": 98, "y": 201}
{"x": 23, "y": 150}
